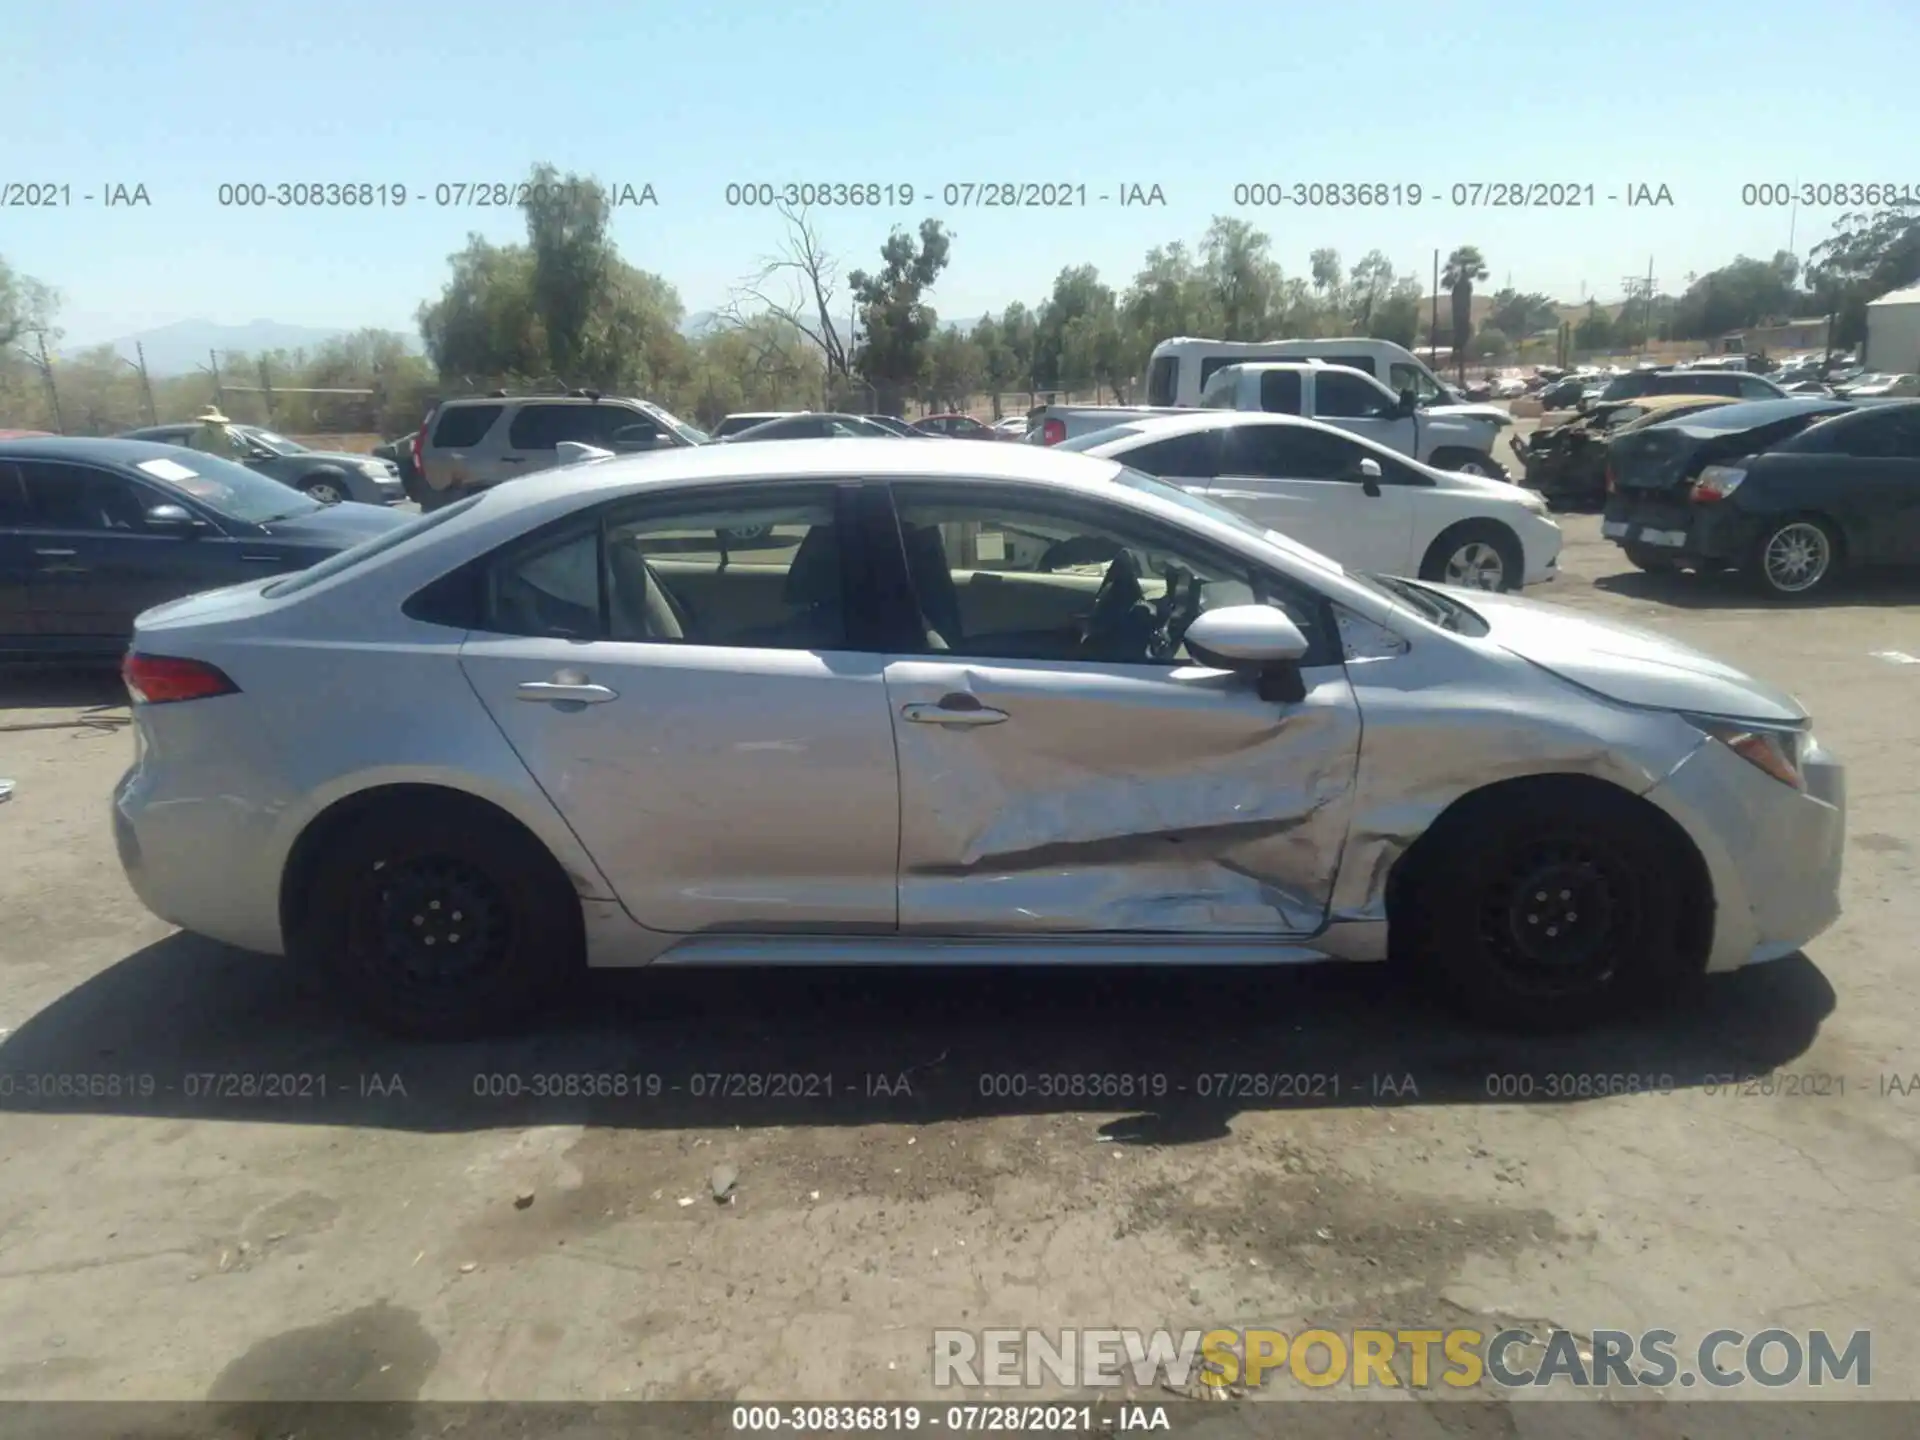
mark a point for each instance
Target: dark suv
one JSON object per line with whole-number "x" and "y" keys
{"x": 477, "y": 442}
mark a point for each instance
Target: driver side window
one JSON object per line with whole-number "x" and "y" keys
{"x": 1025, "y": 577}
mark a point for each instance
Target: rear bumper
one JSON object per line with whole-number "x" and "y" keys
{"x": 1714, "y": 534}
{"x": 1773, "y": 853}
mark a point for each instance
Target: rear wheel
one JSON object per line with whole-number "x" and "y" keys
{"x": 1548, "y": 905}
{"x": 1475, "y": 555}
{"x": 1795, "y": 558}
{"x": 441, "y": 920}
{"x": 324, "y": 488}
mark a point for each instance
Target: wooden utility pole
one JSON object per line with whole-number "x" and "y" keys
{"x": 1433, "y": 325}
{"x": 146, "y": 382}
{"x": 45, "y": 364}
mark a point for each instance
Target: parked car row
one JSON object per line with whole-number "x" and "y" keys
{"x": 325, "y": 475}
{"x": 1567, "y": 463}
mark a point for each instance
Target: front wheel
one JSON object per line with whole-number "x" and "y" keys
{"x": 1543, "y": 906}
{"x": 442, "y": 921}
{"x": 1476, "y": 555}
{"x": 1796, "y": 558}
{"x": 323, "y": 488}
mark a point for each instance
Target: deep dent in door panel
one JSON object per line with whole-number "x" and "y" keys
{"x": 1179, "y": 816}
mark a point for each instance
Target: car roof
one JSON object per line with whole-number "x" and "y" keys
{"x": 1675, "y": 401}
{"x": 1162, "y": 427}
{"x": 116, "y": 450}
{"x": 540, "y": 399}
{"x": 895, "y": 457}
{"x": 1751, "y": 414}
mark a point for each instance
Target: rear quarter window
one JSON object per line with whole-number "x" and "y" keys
{"x": 460, "y": 426}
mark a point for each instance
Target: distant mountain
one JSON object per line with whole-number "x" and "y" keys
{"x": 699, "y": 323}
{"x": 178, "y": 348}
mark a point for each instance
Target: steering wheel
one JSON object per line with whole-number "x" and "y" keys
{"x": 1113, "y": 607}
{"x": 1179, "y": 607}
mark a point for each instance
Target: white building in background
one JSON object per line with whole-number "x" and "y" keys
{"x": 1893, "y": 332}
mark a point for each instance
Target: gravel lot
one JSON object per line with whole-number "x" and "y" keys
{"x": 402, "y": 1235}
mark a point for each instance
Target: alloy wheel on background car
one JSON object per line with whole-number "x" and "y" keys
{"x": 1476, "y": 565}
{"x": 324, "y": 491}
{"x": 1796, "y": 557}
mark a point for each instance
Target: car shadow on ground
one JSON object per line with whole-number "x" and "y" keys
{"x": 1726, "y": 589}
{"x": 188, "y": 1028}
{"x": 59, "y": 697}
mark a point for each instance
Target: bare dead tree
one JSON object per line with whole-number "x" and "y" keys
{"x": 796, "y": 284}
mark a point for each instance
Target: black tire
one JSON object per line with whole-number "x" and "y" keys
{"x": 328, "y": 489}
{"x": 1654, "y": 562}
{"x": 1813, "y": 540}
{"x": 1465, "y": 916}
{"x": 1469, "y": 462}
{"x": 1453, "y": 543}
{"x": 389, "y": 886}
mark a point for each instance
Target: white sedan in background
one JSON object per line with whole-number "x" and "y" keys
{"x": 1371, "y": 508}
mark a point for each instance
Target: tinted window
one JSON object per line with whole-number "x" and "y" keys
{"x": 1874, "y": 434}
{"x": 541, "y": 427}
{"x": 13, "y": 496}
{"x": 1179, "y": 457}
{"x": 1280, "y": 392}
{"x": 1018, "y": 577}
{"x": 633, "y": 430}
{"x": 79, "y": 497}
{"x": 1163, "y": 376}
{"x": 460, "y": 426}
{"x": 1347, "y": 397}
{"x": 1213, "y": 363}
{"x": 1286, "y": 452}
{"x": 734, "y": 424}
{"x": 1754, "y": 388}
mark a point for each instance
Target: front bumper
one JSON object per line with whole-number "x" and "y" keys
{"x": 1773, "y": 853}
{"x": 1716, "y": 534}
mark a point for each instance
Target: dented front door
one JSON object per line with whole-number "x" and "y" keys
{"x": 1042, "y": 796}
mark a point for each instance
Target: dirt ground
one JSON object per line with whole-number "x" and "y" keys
{"x": 167, "y": 1233}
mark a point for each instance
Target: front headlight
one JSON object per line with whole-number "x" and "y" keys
{"x": 377, "y": 469}
{"x": 1777, "y": 751}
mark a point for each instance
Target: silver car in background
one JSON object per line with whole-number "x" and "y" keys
{"x": 985, "y": 703}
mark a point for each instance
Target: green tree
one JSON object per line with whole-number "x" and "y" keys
{"x": 1017, "y": 334}
{"x": 1082, "y": 305}
{"x": 1866, "y": 256}
{"x": 1520, "y": 315}
{"x": 1465, "y": 268}
{"x": 26, "y": 306}
{"x": 956, "y": 369}
{"x": 1397, "y": 317}
{"x": 1741, "y": 293}
{"x": 896, "y": 322}
{"x": 1243, "y": 280}
{"x": 1329, "y": 291}
{"x": 1369, "y": 284}
{"x": 1000, "y": 368}
{"x": 1595, "y": 331}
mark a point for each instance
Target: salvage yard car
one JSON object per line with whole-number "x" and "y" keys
{"x": 1789, "y": 492}
{"x": 1353, "y": 500}
{"x": 92, "y": 532}
{"x": 1567, "y": 464}
{"x": 552, "y": 726}
{"x": 329, "y": 476}
{"x": 479, "y": 441}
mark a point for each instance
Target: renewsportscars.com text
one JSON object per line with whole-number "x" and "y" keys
{"x": 1391, "y": 1359}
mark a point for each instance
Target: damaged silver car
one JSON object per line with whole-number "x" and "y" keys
{"x": 858, "y": 701}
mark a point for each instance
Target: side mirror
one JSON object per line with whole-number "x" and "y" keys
{"x": 1369, "y": 472}
{"x": 1253, "y": 638}
{"x": 172, "y": 520}
{"x": 1409, "y": 402}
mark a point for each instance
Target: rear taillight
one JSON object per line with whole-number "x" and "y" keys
{"x": 1717, "y": 482}
{"x": 163, "y": 679}
{"x": 1053, "y": 432}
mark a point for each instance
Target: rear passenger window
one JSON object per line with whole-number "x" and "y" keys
{"x": 1280, "y": 392}
{"x": 552, "y": 589}
{"x": 464, "y": 425}
{"x": 1183, "y": 457}
{"x": 541, "y": 427}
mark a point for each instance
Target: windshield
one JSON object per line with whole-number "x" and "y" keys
{"x": 279, "y": 444}
{"x": 691, "y": 434}
{"x": 226, "y": 488}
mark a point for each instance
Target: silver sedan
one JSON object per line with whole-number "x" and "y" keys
{"x": 947, "y": 704}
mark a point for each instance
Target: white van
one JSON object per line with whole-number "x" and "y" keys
{"x": 1180, "y": 369}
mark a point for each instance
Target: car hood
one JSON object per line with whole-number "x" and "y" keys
{"x": 329, "y": 457}
{"x": 1490, "y": 414}
{"x": 335, "y": 527}
{"x": 1626, "y": 663}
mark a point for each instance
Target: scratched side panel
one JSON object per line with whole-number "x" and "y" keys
{"x": 1120, "y": 798}
{"x": 1445, "y": 719}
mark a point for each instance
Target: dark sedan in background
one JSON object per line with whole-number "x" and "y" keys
{"x": 92, "y": 532}
{"x": 1788, "y": 492}
{"x": 329, "y": 476}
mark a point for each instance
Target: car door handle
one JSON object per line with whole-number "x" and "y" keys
{"x": 947, "y": 713}
{"x": 513, "y": 459}
{"x": 264, "y": 559}
{"x": 56, "y": 554}
{"x": 554, "y": 691}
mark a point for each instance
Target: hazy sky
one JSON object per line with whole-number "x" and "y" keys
{"x": 1196, "y": 99}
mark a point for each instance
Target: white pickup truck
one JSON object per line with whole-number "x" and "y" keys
{"x": 1447, "y": 437}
